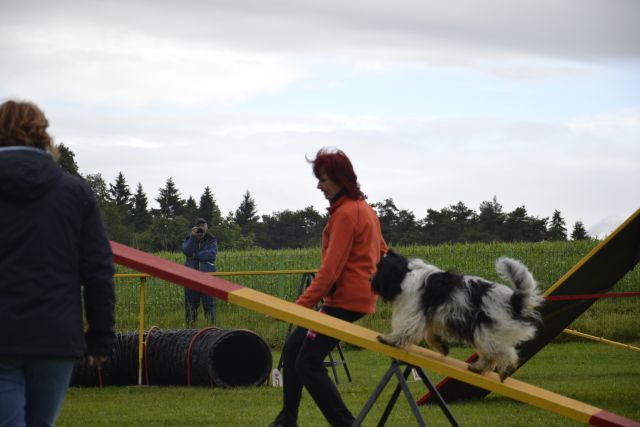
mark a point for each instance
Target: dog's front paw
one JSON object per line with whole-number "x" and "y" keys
{"x": 383, "y": 340}
{"x": 506, "y": 373}
{"x": 479, "y": 367}
{"x": 386, "y": 340}
{"x": 437, "y": 343}
{"x": 443, "y": 349}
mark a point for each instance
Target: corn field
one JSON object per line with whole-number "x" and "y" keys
{"x": 612, "y": 318}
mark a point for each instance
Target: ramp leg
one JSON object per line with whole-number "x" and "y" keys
{"x": 344, "y": 361}
{"x": 436, "y": 394}
{"x": 402, "y": 385}
{"x": 374, "y": 396}
{"x": 332, "y": 363}
{"x": 394, "y": 369}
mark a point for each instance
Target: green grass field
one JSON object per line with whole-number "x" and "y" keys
{"x": 600, "y": 375}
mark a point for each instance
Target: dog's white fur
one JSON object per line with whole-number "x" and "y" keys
{"x": 495, "y": 339}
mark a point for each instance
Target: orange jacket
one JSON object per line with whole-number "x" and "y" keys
{"x": 352, "y": 245}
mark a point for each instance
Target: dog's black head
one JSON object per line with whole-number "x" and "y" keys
{"x": 389, "y": 275}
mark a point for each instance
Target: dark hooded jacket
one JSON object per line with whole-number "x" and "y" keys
{"x": 54, "y": 255}
{"x": 201, "y": 254}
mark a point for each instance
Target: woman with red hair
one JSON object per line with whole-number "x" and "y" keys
{"x": 352, "y": 245}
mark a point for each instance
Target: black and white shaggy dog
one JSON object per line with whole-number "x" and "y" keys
{"x": 446, "y": 307}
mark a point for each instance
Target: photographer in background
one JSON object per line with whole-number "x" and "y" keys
{"x": 201, "y": 249}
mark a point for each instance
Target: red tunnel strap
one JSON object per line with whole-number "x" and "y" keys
{"x": 147, "y": 343}
{"x": 193, "y": 340}
{"x": 591, "y": 296}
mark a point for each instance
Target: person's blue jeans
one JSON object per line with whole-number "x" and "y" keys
{"x": 192, "y": 302}
{"x": 32, "y": 389}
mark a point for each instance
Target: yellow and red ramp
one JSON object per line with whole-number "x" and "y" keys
{"x": 571, "y": 295}
{"x": 362, "y": 337}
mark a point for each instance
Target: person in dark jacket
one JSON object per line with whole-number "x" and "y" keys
{"x": 55, "y": 260}
{"x": 201, "y": 250}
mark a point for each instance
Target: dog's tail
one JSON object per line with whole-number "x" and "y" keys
{"x": 526, "y": 298}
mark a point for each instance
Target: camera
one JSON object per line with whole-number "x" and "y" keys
{"x": 199, "y": 231}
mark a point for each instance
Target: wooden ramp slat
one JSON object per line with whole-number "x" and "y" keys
{"x": 362, "y": 337}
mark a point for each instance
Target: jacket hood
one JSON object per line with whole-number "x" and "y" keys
{"x": 26, "y": 173}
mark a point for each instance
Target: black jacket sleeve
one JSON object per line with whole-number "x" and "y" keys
{"x": 96, "y": 270}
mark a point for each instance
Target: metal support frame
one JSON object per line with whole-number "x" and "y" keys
{"x": 394, "y": 369}
{"x": 332, "y": 363}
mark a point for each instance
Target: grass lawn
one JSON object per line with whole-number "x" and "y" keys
{"x": 602, "y": 376}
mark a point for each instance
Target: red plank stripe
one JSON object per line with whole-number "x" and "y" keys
{"x": 609, "y": 419}
{"x": 172, "y": 272}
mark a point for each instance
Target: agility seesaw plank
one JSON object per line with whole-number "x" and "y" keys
{"x": 596, "y": 273}
{"x": 359, "y": 336}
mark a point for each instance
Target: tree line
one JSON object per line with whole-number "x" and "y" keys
{"x": 129, "y": 219}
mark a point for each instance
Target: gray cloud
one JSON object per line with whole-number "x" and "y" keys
{"x": 574, "y": 29}
{"x": 217, "y": 54}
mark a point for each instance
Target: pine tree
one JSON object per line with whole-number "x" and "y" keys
{"x": 190, "y": 211}
{"x": 388, "y": 215}
{"x": 165, "y": 234}
{"x": 313, "y": 225}
{"x": 491, "y": 220}
{"x": 579, "y": 232}
{"x": 98, "y": 186}
{"x": 519, "y": 226}
{"x": 140, "y": 216}
{"x": 246, "y": 212}
{"x": 433, "y": 225}
{"x": 67, "y": 160}
{"x": 208, "y": 209}
{"x": 171, "y": 205}
{"x": 120, "y": 192}
{"x": 465, "y": 220}
{"x": 557, "y": 229}
{"x": 230, "y": 236}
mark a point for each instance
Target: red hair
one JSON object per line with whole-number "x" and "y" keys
{"x": 339, "y": 169}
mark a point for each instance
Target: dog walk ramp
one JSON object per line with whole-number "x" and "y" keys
{"x": 596, "y": 273}
{"x": 362, "y": 337}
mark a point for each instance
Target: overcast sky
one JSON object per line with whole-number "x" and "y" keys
{"x": 534, "y": 102}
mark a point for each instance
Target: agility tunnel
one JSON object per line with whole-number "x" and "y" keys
{"x": 206, "y": 357}
{"x": 362, "y": 337}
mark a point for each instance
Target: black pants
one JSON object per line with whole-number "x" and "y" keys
{"x": 192, "y": 302}
{"x": 303, "y": 355}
